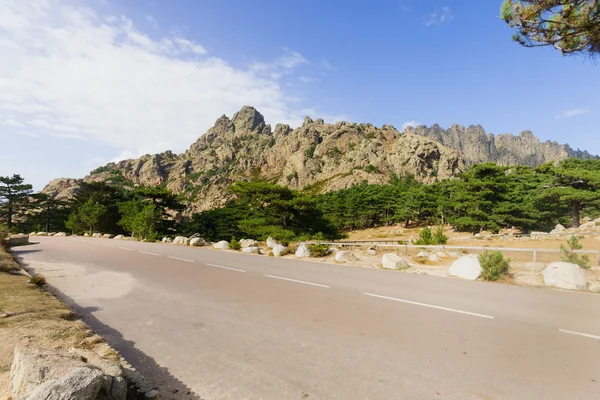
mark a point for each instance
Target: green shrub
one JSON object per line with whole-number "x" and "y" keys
{"x": 493, "y": 265}
{"x": 426, "y": 237}
{"x": 568, "y": 254}
{"x": 38, "y": 280}
{"x": 318, "y": 250}
{"x": 371, "y": 169}
{"x": 3, "y": 232}
{"x": 439, "y": 237}
{"x": 234, "y": 244}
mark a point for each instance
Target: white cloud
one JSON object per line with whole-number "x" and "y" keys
{"x": 573, "y": 112}
{"x": 70, "y": 73}
{"x": 438, "y": 17}
{"x": 409, "y": 123}
{"x": 306, "y": 79}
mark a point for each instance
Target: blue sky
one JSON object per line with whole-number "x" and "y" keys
{"x": 84, "y": 83}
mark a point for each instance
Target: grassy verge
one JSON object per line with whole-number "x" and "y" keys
{"x": 30, "y": 315}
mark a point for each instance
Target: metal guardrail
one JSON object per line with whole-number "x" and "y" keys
{"x": 532, "y": 250}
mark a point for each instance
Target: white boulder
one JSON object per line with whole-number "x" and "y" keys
{"x": 86, "y": 235}
{"x": 280, "y": 250}
{"x": 271, "y": 243}
{"x": 181, "y": 240}
{"x": 33, "y": 234}
{"x": 108, "y": 236}
{"x": 197, "y": 242}
{"x": 565, "y": 276}
{"x": 466, "y": 267}
{"x": 42, "y": 234}
{"x": 303, "y": 251}
{"x": 434, "y": 258}
{"x": 453, "y": 254}
{"x": 61, "y": 234}
{"x": 393, "y": 261}
{"x": 533, "y": 266}
{"x": 97, "y": 235}
{"x": 222, "y": 245}
{"x": 167, "y": 240}
{"x": 344, "y": 256}
{"x": 372, "y": 251}
{"x": 423, "y": 254}
{"x": 248, "y": 243}
{"x": 251, "y": 250}
{"x": 119, "y": 237}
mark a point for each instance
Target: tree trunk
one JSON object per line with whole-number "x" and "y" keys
{"x": 9, "y": 216}
{"x": 575, "y": 213}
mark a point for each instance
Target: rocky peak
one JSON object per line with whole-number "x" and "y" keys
{"x": 248, "y": 119}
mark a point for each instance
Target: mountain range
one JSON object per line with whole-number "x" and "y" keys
{"x": 315, "y": 156}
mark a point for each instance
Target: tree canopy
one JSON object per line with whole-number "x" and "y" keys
{"x": 14, "y": 198}
{"x": 571, "y": 26}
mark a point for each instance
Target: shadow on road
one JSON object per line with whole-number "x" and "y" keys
{"x": 170, "y": 387}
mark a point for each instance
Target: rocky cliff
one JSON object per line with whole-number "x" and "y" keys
{"x": 317, "y": 155}
{"x": 477, "y": 146}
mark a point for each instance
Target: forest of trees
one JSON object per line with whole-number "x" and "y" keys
{"x": 485, "y": 197}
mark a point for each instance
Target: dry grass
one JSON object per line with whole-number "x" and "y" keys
{"x": 30, "y": 315}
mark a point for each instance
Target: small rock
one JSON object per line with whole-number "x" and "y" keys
{"x": 271, "y": 243}
{"x": 97, "y": 235}
{"x": 108, "y": 236}
{"x": 197, "y": 242}
{"x": 222, "y": 245}
{"x": 434, "y": 258}
{"x": 251, "y": 250}
{"x": 248, "y": 243}
{"x": 167, "y": 240}
{"x": 565, "y": 276}
{"x": 372, "y": 251}
{"x": 344, "y": 256}
{"x": 303, "y": 251}
{"x": 151, "y": 394}
{"x": 423, "y": 254}
{"x": 61, "y": 234}
{"x": 393, "y": 261}
{"x": 118, "y": 237}
{"x": 88, "y": 342}
{"x": 86, "y": 235}
{"x": 280, "y": 250}
{"x": 181, "y": 240}
{"x": 533, "y": 266}
{"x": 466, "y": 267}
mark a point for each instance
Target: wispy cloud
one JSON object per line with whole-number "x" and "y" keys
{"x": 409, "y": 123}
{"x": 573, "y": 112}
{"x": 69, "y": 72}
{"x": 438, "y": 17}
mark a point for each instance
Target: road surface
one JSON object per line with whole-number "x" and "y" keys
{"x": 224, "y": 325}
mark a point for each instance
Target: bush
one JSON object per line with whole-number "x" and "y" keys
{"x": 3, "y": 232}
{"x": 234, "y": 244}
{"x": 568, "y": 254}
{"x": 38, "y": 280}
{"x": 318, "y": 250}
{"x": 439, "y": 237}
{"x": 493, "y": 265}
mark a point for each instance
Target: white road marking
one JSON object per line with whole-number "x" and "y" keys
{"x": 579, "y": 334}
{"x": 181, "y": 259}
{"x": 125, "y": 248}
{"x": 222, "y": 267}
{"x": 152, "y": 254}
{"x": 431, "y": 306}
{"x": 294, "y": 280}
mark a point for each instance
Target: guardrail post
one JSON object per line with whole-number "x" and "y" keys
{"x": 406, "y": 252}
{"x": 598, "y": 258}
{"x": 534, "y": 255}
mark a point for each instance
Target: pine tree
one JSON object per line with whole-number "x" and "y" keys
{"x": 14, "y": 198}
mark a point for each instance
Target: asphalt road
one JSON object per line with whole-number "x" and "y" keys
{"x": 225, "y": 325}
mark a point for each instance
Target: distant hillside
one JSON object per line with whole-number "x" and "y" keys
{"x": 477, "y": 146}
{"x": 320, "y": 156}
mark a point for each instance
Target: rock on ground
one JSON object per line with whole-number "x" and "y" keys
{"x": 372, "y": 251}
{"x": 167, "y": 240}
{"x": 252, "y": 250}
{"x": 533, "y": 266}
{"x": 280, "y": 250}
{"x": 594, "y": 287}
{"x": 61, "y": 234}
{"x": 271, "y": 243}
{"x": 248, "y": 243}
{"x": 565, "y": 276}
{"x": 423, "y": 254}
{"x": 344, "y": 256}
{"x": 393, "y": 261}
{"x": 466, "y": 267}
{"x": 38, "y": 374}
{"x": 197, "y": 242}
{"x": 108, "y": 236}
{"x": 434, "y": 258}
{"x": 118, "y": 237}
{"x": 97, "y": 235}
{"x": 222, "y": 245}
{"x": 303, "y": 251}
{"x": 181, "y": 240}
